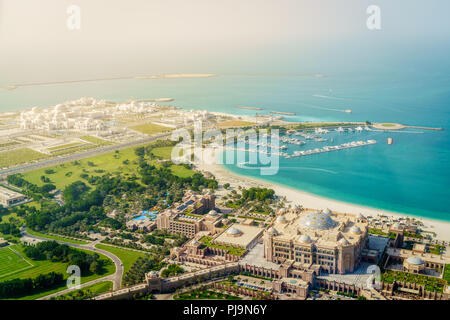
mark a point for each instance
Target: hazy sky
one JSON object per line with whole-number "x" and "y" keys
{"x": 120, "y": 38}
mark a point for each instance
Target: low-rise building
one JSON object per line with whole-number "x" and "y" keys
{"x": 9, "y": 198}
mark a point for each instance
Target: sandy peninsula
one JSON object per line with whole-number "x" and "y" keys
{"x": 178, "y": 75}
{"x": 307, "y": 200}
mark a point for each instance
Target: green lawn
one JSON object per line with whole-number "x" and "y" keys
{"x": 128, "y": 257}
{"x": 151, "y": 128}
{"x": 95, "y": 289}
{"x": 68, "y": 173}
{"x": 163, "y": 152}
{"x": 57, "y": 238}
{"x": 178, "y": 170}
{"x": 11, "y": 262}
{"x": 13, "y": 157}
{"x": 45, "y": 266}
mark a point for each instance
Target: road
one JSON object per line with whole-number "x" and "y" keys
{"x": 116, "y": 278}
{"x": 79, "y": 156}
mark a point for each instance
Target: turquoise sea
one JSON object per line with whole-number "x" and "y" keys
{"x": 411, "y": 176}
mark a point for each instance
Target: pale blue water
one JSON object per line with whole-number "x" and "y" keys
{"x": 411, "y": 176}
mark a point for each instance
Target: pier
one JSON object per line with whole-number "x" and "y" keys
{"x": 424, "y": 128}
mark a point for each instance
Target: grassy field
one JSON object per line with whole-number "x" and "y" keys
{"x": 128, "y": 257}
{"x": 57, "y": 238}
{"x": 11, "y": 262}
{"x": 96, "y": 289}
{"x": 112, "y": 163}
{"x": 178, "y": 170}
{"x": 163, "y": 152}
{"x": 151, "y": 128}
{"x": 70, "y": 172}
{"x": 45, "y": 266}
{"x": 235, "y": 123}
{"x": 13, "y": 157}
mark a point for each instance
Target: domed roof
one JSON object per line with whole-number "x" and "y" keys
{"x": 343, "y": 241}
{"x": 272, "y": 230}
{"x": 415, "y": 260}
{"x": 304, "y": 238}
{"x": 281, "y": 219}
{"x": 213, "y": 213}
{"x": 327, "y": 211}
{"x": 317, "y": 220}
{"x": 233, "y": 231}
{"x": 355, "y": 229}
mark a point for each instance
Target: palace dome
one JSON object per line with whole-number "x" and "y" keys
{"x": 304, "y": 238}
{"x": 233, "y": 231}
{"x": 272, "y": 230}
{"x": 317, "y": 220}
{"x": 213, "y": 213}
{"x": 415, "y": 260}
{"x": 355, "y": 229}
{"x": 343, "y": 241}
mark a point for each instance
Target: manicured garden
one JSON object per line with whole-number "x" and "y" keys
{"x": 431, "y": 283}
{"x": 235, "y": 251}
{"x": 204, "y": 294}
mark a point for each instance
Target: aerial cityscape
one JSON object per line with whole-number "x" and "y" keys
{"x": 327, "y": 181}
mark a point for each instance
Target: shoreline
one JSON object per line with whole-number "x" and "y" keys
{"x": 312, "y": 201}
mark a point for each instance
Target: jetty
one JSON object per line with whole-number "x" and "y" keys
{"x": 424, "y": 128}
{"x": 284, "y": 113}
{"x": 348, "y": 145}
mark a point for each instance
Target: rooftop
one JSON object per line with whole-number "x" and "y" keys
{"x": 246, "y": 237}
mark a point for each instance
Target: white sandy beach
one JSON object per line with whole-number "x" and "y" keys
{"x": 307, "y": 200}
